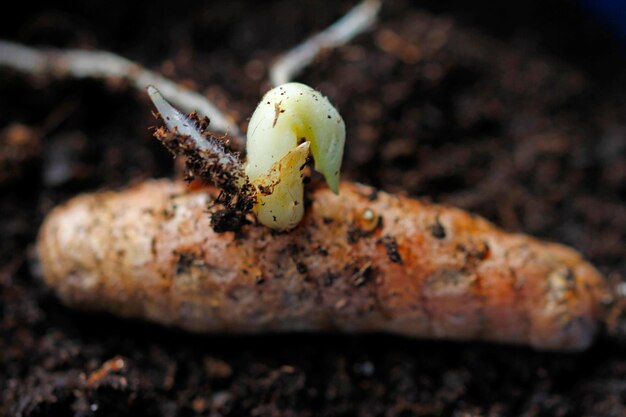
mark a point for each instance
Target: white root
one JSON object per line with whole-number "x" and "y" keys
{"x": 106, "y": 65}
{"x": 181, "y": 124}
{"x": 359, "y": 19}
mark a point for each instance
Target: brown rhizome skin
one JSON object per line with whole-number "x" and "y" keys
{"x": 151, "y": 252}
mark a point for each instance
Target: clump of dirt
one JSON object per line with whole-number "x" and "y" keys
{"x": 19, "y": 145}
{"x": 515, "y": 112}
{"x": 217, "y": 167}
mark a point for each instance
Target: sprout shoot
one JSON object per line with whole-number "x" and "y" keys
{"x": 291, "y": 121}
{"x": 288, "y": 116}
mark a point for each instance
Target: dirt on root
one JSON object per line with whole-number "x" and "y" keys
{"x": 515, "y": 111}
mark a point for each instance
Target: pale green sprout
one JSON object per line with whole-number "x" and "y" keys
{"x": 290, "y": 121}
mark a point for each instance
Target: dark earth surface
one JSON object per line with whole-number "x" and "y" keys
{"x": 514, "y": 110}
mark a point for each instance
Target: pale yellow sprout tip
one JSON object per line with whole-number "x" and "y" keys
{"x": 287, "y": 116}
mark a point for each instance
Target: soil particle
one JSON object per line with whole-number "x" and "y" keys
{"x": 19, "y": 147}
{"x": 437, "y": 230}
{"x": 391, "y": 246}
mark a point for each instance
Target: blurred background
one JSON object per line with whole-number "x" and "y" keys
{"x": 513, "y": 110}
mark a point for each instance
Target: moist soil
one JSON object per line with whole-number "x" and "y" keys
{"x": 514, "y": 110}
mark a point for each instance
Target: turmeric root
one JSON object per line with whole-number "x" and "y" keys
{"x": 361, "y": 261}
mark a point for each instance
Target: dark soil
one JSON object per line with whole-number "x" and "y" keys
{"x": 516, "y": 111}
